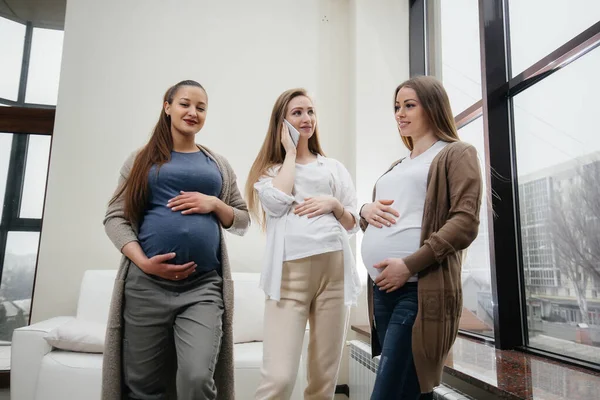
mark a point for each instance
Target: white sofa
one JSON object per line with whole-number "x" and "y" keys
{"x": 42, "y": 372}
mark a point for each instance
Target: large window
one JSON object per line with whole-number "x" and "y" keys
{"x": 11, "y": 49}
{"x": 522, "y": 84}
{"x": 44, "y": 66}
{"x": 558, "y": 163}
{"x": 478, "y": 314}
{"x": 458, "y": 65}
{"x": 538, "y": 27}
{"x": 29, "y": 75}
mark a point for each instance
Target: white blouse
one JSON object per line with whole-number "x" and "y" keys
{"x": 291, "y": 237}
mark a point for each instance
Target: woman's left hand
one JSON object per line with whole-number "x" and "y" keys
{"x": 315, "y": 206}
{"x": 394, "y": 276}
{"x": 192, "y": 203}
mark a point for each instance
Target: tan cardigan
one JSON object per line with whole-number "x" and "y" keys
{"x": 121, "y": 232}
{"x": 450, "y": 224}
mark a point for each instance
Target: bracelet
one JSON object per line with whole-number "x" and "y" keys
{"x": 360, "y": 211}
{"x": 343, "y": 211}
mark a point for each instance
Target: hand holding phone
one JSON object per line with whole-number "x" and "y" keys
{"x": 294, "y": 134}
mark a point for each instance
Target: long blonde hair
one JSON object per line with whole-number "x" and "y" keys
{"x": 272, "y": 152}
{"x": 435, "y": 102}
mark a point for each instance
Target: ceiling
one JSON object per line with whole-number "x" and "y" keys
{"x": 42, "y": 13}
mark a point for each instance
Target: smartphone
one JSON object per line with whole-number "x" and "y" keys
{"x": 294, "y": 134}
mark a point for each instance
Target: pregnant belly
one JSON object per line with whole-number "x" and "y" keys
{"x": 191, "y": 237}
{"x": 388, "y": 242}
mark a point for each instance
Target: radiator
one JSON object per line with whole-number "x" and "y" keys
{"x": 363, "y": 369}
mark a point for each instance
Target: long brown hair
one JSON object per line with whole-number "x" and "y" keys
{"x": 435, "y": 102}
{"x": 272, "y": 151}
{"x": 156, "y": 152}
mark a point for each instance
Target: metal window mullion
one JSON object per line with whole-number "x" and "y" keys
{"x": 469, "y": 115}
{"x": 417, "y": 42}
{"x": 8, "y": 102}
{"x": 23, "y": 225}
{"x": 14, "y": 191}
{"x": 507, "y": 289}
{"x": 25, "y": 63}
{"x": 574, "y": 49}
{"x": 35, "y": 105}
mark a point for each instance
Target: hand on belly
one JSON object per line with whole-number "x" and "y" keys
{"x": 379, "y": 213}
{"x": 394, "y": 274}
{"x": 192, "y": 203}
{"x": 315, "y": 206}
{"x": 158, "y": 266}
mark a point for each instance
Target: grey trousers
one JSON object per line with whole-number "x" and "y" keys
{"x": 158, "y": 312}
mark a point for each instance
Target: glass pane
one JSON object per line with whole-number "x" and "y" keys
{"x": 44, "y": 66}
{"x": 558, "y": 160}
{"x": 538, "y": 27}
{"x": 5, "y": 146}
{"x": 478, "y": 314}
{"x": 461, "y": 63}
{"x": 17, "y": 281}
{"x": 36, "y": 172}
{"x": 11, "y": 53}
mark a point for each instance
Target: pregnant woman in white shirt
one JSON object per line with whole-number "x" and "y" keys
{"x": 309, "y": 210}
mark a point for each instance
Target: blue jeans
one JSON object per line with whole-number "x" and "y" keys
{"x": 395, "y": 315}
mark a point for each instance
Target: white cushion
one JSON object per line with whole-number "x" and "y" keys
{"x": 78, "y": 335}
{"x": 95, "y": 295}
{"x": 249, "y": 306}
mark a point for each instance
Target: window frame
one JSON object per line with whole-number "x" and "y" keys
{"x": 496, "y": 107}
{"x": 22, "y": 120}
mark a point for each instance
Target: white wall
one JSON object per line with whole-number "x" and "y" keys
{"x": 381, "y": 59}
{"x": 115, "y": 70}
{"x": 380, "y": 64}
{"x": 120, "y": 57}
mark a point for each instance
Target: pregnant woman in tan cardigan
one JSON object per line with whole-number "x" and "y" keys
{"x": 425, "y": 212}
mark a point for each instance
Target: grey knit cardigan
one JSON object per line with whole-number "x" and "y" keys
{"x": 121, "y": 232}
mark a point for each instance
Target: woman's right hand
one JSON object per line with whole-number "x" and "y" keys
{"x": 379, "y": 213}
{"x": 158, "y": 266}
{"x": 286, "y": 140}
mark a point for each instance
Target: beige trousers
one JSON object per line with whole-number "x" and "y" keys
{"x": 312, "y": 289}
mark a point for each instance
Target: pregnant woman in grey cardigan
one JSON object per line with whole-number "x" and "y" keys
{"x": 169, "y": 331}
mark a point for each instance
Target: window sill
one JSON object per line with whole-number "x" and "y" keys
{"x": 512, "y": 374}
